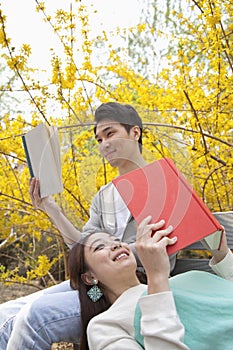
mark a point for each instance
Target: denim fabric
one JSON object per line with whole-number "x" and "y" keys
{"x": 40, "y": 319}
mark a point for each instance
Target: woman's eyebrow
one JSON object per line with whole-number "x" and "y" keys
{"x": 95, "y": 241}
{"x": 101, "y": 240}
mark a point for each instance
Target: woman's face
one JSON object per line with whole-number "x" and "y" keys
{"x": 108, "y": 258}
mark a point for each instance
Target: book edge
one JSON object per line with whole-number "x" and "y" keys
{"x": 27, "y": 156}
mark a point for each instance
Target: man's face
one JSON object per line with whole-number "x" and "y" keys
{"x": 115, "y": 143}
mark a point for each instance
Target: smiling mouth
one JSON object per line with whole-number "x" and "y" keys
{"x": 109, "y": 154}
{"x": 120, "y": 256}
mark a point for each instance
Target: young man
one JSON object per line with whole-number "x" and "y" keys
{"x": 53, "y": 315}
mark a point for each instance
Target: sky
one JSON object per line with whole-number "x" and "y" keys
{"x": 25, "y": 25}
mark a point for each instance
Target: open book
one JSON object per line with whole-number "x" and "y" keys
{"x": 42, "y": 149}
{"x": 160, "y": 190}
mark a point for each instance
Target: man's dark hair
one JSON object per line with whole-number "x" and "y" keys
{"x": 126, "y": 115}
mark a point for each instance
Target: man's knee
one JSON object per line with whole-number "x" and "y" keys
{"x": 49, "y": 319}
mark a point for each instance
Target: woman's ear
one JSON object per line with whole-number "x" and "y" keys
{"x": 88, "y": 278}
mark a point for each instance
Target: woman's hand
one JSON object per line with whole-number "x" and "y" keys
{"x": 218, "y": 255}
{"x": 151, "y": 243}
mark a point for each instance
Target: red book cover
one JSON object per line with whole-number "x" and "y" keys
{"x": 159, "y": 189}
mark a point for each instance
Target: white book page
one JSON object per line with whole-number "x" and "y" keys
{"x": 54, "y": 140}
{"x": 212, "y": 242}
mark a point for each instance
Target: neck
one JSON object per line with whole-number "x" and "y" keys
{"x": 114, "y": 294}
{"x": 131, "y": 165}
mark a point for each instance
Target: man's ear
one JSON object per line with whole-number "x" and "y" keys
{"x": 88, "y": 278}
{"x": 136, "y": 132}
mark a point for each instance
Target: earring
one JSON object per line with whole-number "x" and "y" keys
{"x": 95, "y": 292}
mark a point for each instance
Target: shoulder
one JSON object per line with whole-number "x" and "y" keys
{"x": 117, "y": 322}
{"x": 109, "y": 187}
{"x": 123, "y": 308}
{"x": 105, "y": 194}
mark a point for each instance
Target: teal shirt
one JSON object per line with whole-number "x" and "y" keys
{"x": 204, "y": 303}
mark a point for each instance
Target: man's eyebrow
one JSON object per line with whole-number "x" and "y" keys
{"x": 103, "y": 131}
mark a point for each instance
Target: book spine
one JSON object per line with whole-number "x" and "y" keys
{"x": 194, "y": 194}
{"x": 27, "y": 156}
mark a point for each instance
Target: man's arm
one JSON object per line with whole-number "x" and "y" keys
{"x": 69, "y": 233}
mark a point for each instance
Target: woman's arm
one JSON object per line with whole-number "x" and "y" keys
{"x": 162, "y": 328}
{"x": 151, "y": 243}
{"x": 222, "y": 260}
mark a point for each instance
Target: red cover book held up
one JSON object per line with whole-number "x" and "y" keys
{"x": 159, "y": 189}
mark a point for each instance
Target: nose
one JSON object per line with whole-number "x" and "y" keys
{"x": 105, "y": 144}
{"x": 104, "y": 148}
{"x": 115, "y": 245}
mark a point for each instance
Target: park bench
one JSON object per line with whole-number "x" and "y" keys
{"x": 191, "y": 257}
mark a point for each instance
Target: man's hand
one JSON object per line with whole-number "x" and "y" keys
{"x": 47, "y": 204}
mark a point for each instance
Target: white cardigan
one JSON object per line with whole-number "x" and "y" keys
{"x": 114, "y": 328}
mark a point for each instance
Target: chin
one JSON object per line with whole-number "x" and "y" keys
{"x": 114, "y": 162}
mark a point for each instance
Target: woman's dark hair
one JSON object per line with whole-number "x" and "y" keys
{"x": 89, "y": 309}
{"x": 126, "y": 115}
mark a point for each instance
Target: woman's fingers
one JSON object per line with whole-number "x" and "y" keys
{"x": 154, "y": 232}
{"x": 158, "y": 234}
{"x": 145, "y": 228}
{"x": 165, "y": 241}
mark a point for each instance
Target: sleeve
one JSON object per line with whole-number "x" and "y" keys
{"x": 161, "y": 329}
{"x": 106, "y": 334}
{"x": 94, "y": 222}
{"x": 69, "y": 233}
{"x": 225, "y": 267}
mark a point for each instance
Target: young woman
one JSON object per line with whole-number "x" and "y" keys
{"x": 175, "y": 313}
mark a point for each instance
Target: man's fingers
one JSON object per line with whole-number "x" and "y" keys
{"x": 32, "y": 182}
{"x": 34, "y": 192}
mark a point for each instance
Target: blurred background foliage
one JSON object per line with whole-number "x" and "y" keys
{"x": 175, "y": 67}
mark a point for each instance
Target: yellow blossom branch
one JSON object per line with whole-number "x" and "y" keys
{"x": 15, "y": 64}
